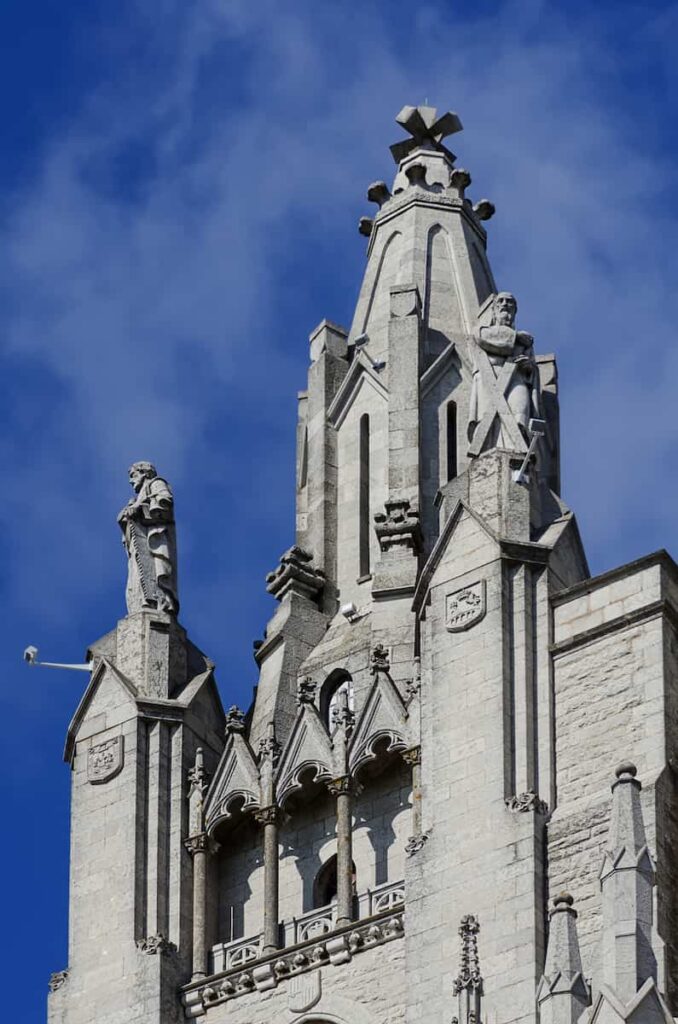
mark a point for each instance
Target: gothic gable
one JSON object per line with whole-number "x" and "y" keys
{"x": 361, "y": 374}
{"x": 308, "y": 749}
{"x": 236, "y": 781}
{"x": 108, "y": 689}
{"x": 383, "y": 718}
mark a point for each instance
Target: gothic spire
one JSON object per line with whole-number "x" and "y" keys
{"x": 627, "y": 879}
{"x": 562, "y": 993}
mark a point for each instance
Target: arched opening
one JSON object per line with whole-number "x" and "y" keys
{"x": 451, "y": 439}
{"x": 364, "y": 497}
{"x": 325, "y": 885}
{"x": 336, "y": 684}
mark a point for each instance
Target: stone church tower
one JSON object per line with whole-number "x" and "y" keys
{"x": 397, "y": 829}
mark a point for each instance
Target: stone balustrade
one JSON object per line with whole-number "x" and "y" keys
{"x": 308, "y": 927}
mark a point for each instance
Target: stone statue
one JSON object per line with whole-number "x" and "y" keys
{"x": 505, "y": 390}
{"x": 149, "y": 536}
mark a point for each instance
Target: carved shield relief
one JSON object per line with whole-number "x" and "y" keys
{"x": 104, "y": 760}
{"x": 465, "y": 607}
{"x": 304, "y": 991}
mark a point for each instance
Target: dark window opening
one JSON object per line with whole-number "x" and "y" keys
{"x": 325, "y": 885}
{"x": 364, "y": 496}
{"x": 336, "y": 682}
{"x": 451, "y": 440}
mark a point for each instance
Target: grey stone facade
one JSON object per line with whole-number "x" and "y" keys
{"x": 401, "y": 826}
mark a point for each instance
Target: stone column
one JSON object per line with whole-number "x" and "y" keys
{"x": 199, "y": 846}
{"x": 413, "y": 758}
{"x": 342, "y": 789}
{"x": 268, "y": 817}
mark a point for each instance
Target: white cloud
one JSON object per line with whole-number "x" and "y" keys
{"x": 172, "y": 318}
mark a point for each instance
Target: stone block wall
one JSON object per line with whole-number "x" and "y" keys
{"x": 370, "y": 989}
{"x": 616, "y": 694}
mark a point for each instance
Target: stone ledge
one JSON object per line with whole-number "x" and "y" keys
{"x": 337, "y": 947}
{"x": 660, "y": 557}
{"x": 649, "y": 611}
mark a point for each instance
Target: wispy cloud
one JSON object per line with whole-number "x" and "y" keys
{"x": 196, "y": 220}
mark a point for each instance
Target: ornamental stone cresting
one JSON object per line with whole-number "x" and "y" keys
{"x": 428, "y": 775}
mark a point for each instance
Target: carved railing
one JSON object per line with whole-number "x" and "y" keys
{"x": 228, "y": 955}
{"x": 380, "y": 899}
{"x": 312, "y": 925}
{"x": 338, "y": 946}
{"x": 308, "y": 927}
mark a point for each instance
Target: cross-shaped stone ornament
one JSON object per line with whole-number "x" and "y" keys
{"x": 496, "y": 385}
{"x": 424, "y": 127}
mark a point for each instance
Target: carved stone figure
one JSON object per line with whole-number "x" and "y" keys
{"x": 149, "y": 536}
{"x": 505, "y": 391}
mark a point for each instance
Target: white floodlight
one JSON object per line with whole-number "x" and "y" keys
{"x": 350, "y": 612}
{"x": 31, "y": 658}
{"x": 360, "y": 342}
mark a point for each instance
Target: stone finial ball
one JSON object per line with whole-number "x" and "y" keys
{"x": 563, "y": 899}
{"x": 626, "y": 768}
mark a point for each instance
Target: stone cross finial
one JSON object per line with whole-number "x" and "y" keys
{"x": 306, "y": 689}
{"x": 380, "y": 660}
{"x": 235, "y": 720}
{"x": 425, "y": 128}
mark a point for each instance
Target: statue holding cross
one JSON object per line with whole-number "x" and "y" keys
{"x": 505, "y": 389}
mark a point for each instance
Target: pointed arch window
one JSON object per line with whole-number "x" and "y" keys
{"x": 325, "y": 884}
{"x": 336, "y": 684}
{"x": 364, "y": 497}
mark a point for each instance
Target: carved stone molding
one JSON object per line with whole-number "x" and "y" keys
{"x": 200, "y": 843}
{"x": 343, "y": 717}
{"x": 335, "y": 948}
{"x": 58, "y": 979}
{"x": 154, "y": 945}
{"x": 105, "y": 760}
{"x": 522, "y": 802}
{"x": 398, "y": 527}
{"x": 411, "y": 756}
{"x": 269, "y": 749}
{"x": 345, "y": 784}
{"x": 295, "y": 573}
{"x": 267, "y": 815}
{"x": 416, "y": 843}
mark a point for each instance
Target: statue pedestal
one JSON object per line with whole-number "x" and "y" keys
{"x": 151, "y": 652}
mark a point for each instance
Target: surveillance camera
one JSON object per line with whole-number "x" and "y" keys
{"x": 362, "y": 339}
{"x": 30, "y": 655}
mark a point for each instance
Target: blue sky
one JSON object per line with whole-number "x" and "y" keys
{"x": 181, "y": 185}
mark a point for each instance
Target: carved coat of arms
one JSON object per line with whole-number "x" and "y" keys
{"x": 104, "y": 760}
{"x": 465, "y": 607}
{"x": 304, "y": 991}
